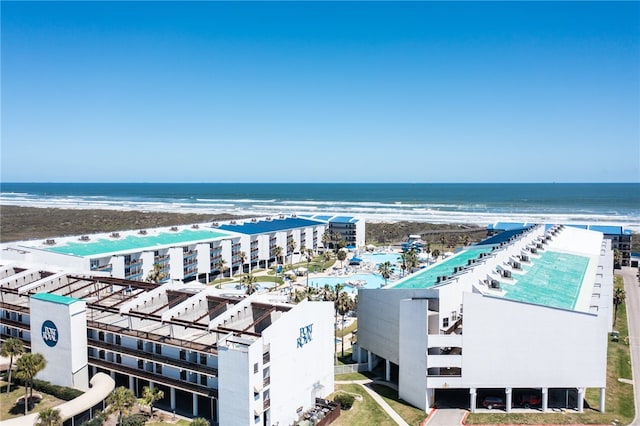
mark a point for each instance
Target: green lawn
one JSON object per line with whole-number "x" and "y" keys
{"x": 410, "y": 414}
{"x": 619, "y": 404}
{"x": 364, "y": 412}
{"x": 9, "y": 409}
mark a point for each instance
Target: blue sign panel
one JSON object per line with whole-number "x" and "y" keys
{"x": 305, "y": 335}
{"x": 50, "y": 333}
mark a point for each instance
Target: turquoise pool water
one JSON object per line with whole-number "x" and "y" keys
{"x": 554, "y": 279}
{"x": 135, "y": 242}
{"x": 371, "y": 281}
{"x": 427, "y": 277}
{"x": 377, "y": 258}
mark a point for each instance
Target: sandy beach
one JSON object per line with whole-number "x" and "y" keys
{"x": 27, "y": 223}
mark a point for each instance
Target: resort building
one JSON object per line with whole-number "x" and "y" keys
{"x": 234, "y": 360}
{"x": 350, "y": 229}
{"x": 198, "y": 252}
{"x": 620, "y": 238}
{"x": 519, "y": 320}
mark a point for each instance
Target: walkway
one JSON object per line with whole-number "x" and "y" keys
{"x": 366, "y": 385}
{"x": 446, "y": 417}
{"x": 632, "y": 303}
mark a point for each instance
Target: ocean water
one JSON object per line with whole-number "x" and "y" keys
{"x": 482, "y": 204}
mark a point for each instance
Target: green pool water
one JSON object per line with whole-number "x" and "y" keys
{"x": 555, "y": 279}
{"x": 135, "y": 242}
{"x": 427, "y": 278}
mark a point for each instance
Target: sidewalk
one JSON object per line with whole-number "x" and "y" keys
{"x": 381, "y": 402}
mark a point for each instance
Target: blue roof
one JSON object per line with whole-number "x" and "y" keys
{"x": 577, "y": 226}
{"x": 321, "y": 217}
{"x": 265, "y": 226}
{"x": 343, "y": 219}
{"x": 610, "y": 230}
{"x": 501, "y": 237}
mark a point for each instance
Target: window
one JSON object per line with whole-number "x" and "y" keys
{"x": 101, "y": 354}
{"x": 183, "y": 354}
{"x": 158, "y": 348}
{"x": 119, "y": 358}
{"x": 445, "y": 322}
{"x": 203, "y": 380}
{"x": 454, "y": 315}
{"x": 118, "y": 340}
{"x": 183, "y": 374}
{"x": 203, "y": 359}
{"x": 140, "y": 344}
{"x": 159, "y": 368}
{"x": 255, "y": 367}
{"x": 140, "y": 364}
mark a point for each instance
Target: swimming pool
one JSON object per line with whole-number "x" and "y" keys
{"x": 377, "y": 258}
{"x": 370, "y": 281}
{"x": 105, "y": 245}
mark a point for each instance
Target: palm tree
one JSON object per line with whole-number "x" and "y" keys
{"x": 617, "y": 258}
{"x": 242, "y": 256}
{"x": 336, "y": 294}
{"x": 221, "y": 268}
{"x": 11, "y": 347}
{"x": 277, "y": 253}
{"x": 343, "y": 305}
{"x": 249, "y": 281}
{"x": 150, "y": 396}
{"x": 308, "y": 253}
{"x": 326, "y": 256}
{"x": 326, "y": 239}
{"x": 199, "y": 421}
{"x": 435, "y": 253}
{"x": 466, "y": 240}
{"x": 385, "y": 270}
{"x": 121, "y": 400}
{"x": 156, "y": 275}
{"x": 49, "y": 417}
{"x": 341, "y": 256}
{"x": 27, "y": 367}
{"x": 619, "y": 297}
{"x": 410, "y": 258}
{"x": 291, "y": 246}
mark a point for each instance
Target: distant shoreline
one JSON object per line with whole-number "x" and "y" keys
{"x": 28, "y": 223}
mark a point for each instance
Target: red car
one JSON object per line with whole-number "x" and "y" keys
{"x": 530, "y": 400}
{"x": 491, "y": 402}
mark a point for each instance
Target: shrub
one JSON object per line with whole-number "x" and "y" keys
{"x": 134, "y": 420}
{"x": 61, "y": 392}
{"x": 345, "y": 400}
{"x": 96, "y": 421}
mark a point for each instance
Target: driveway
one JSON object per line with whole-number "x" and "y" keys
{"x": 632, "y": 291}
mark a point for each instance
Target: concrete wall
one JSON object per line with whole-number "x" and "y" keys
{"x": 379, "y": 319}
{"x": 515, "y": 344}
{"x": 413, "y": 349}
{"x": 66, "y": 352}
{"x": 301, "y": 369}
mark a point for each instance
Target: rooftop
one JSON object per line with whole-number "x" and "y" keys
{"x": 105, "y": 244}
{"x": 428, "y": 277}
{"x": 265, "y": 226}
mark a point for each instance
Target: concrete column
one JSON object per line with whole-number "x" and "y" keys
{"x": 431, "y": 398}
{"x": 113, "y": 375}
{"x": 580, "y": 400}
{"x": 195, "y": 405}
{"x": 151, "y": 385}
{"x": 172, "y": 398}
{"x": 369, "y": 360}
{"x": 132, "y": 384}
{"x": 508, "y": 399}
{"x": 387, "y": 370}
{"x": 545, "y": 399}
{"x": 472, "y": 398}
{"x": 602, "y": 399}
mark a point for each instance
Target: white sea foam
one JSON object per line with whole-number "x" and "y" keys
{"x": 371, "y": 211}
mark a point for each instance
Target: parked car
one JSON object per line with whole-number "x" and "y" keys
{"x": 530, "y": 400}
{"x": 492, "y": 402}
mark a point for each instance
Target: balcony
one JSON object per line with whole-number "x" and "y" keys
{"x": 444, "y": 340}
{"x": 444, "y": 361}
{"x": 266, "y": 381}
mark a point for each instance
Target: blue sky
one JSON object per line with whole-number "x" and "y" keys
{"x": 320, "y": 92}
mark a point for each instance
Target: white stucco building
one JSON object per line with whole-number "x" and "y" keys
{"x": 229, "y": 358}
{"x": 521, "y": 319}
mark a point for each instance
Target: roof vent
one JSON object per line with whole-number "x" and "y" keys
{"x": 50, "y": 242}
{"x": 115, "y": 235}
